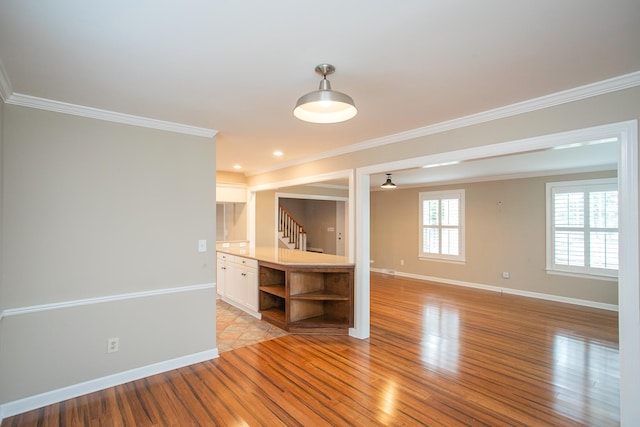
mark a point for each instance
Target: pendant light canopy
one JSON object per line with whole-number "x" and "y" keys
{"x": 325, "y": 105}
{"x": 388, "y": 183}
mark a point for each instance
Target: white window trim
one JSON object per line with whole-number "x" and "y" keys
{"x": 566, "y": 270}
{"x": 427, "y": 195}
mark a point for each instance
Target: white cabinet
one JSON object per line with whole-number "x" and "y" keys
{"x": 222, "y": 275}
{"x": 251, "y": 286}
{"x": 238, "y": 281}
{"x": 245, "y": 284}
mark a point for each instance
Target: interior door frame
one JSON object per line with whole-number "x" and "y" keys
{"x": 302, "y": 196}
{"x": 341, "y": 226}
{"x": 348, "y": 174}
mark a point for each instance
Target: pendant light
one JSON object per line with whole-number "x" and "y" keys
{"x": 325, "y": 105}
{"x": 388, "y": 183}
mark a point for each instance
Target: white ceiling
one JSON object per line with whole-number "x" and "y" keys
{"x": 238, "y": 67}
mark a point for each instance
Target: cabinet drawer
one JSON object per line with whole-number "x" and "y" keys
{"x": 245, "y": 262}
{"x": 223, "y": 257}
{"x": 237, "y": 259}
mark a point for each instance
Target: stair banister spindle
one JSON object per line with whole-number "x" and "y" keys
{"x": 291, "y": 230}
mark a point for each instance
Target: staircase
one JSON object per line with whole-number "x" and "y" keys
{"x": 290, "y": 232}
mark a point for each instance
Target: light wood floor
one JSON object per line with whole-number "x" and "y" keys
{"x": 438, "y": 355}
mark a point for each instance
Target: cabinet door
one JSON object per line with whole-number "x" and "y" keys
{"x": 234, "y": 286}
{"x": 250, "y": 288}
{"x": 221, "y": 275}
{"x": 238, "y": 280}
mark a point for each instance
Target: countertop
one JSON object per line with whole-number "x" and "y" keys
{"x": 288, "y": 256}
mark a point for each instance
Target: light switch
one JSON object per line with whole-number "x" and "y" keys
{"x": 202, "y": 246}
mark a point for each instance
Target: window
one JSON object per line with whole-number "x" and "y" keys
{"x": 442, "y": 225}
{"x": 582, "y": 227}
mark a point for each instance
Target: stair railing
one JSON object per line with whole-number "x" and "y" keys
{"x": 291, "y": 229}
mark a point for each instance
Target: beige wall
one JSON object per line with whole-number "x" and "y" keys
{"x": 94, "y": 209}
{"x": 265, "y": 202}
{"x": 231, "y": 221}
{"x": 315, "y": 190}
{"x": 230, "y": 177}
{"x": 505, "y": 231}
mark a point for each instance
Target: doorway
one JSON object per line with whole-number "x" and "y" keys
{"x": 323, "y": 218}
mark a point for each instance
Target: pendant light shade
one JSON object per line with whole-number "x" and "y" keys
{"x": 325, "y": 105}
{"x": 388, "y": 183}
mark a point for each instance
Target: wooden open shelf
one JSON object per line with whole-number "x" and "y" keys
{"x": 275, "y": 317}
{"x": 307, "y": 299}
{"x": 319, "y": 295}
{"x": 278, "y": 291}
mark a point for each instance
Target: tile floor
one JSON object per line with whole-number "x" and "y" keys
{"x": 235, "y": 328}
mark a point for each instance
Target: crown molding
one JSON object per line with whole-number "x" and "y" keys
{"x": 109, "y": 116}
{"x": 582, "y": 92}
{"x": 231, "y": 185}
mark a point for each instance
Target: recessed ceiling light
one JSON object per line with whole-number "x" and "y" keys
{"x": 278, "y": 153}
{"x": 237, "y": 167}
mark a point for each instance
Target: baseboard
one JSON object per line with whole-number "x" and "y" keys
{"x": 10, "y": 409}
{"x": 548, "y": 297}
{"x": 239, "y": 306}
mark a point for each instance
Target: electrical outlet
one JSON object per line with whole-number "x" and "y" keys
{"x": 113, "y": 345}
{"x": 506, "y": 275}
{"x": 401, "y": 262}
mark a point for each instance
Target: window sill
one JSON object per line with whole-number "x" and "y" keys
{"x": 446, "y": 260}
{"x": 582, "y": 275}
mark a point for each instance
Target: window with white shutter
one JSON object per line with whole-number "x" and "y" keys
{"x": 442, "y": 225}
{"x": 582, "y": 227}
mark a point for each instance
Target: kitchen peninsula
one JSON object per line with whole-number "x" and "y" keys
{"x": 298, "y": 291}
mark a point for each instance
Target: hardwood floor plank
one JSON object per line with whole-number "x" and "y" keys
{"x": 438, "y": 355}
{"x": 212, "y": 395}
{"x": 232, "y": 398}
{"x": 298, "y": 389}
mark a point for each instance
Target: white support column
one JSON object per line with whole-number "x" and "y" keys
{"x": 362, "y": 316}
{"x": 628, "y": 279}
